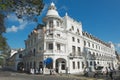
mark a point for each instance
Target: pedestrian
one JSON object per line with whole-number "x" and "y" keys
{"x": 41, "y": 71}
{"x": 106, "y": 72}
{"x": 66, "y": 70}
{"x": 36, "y": 70}
{"x": 95, "y": 74}
{"x": 111, "y": 73}
{"x": 50, "y": 71}
{"x": 86, "y": 72}
{"x": 114, "y": 70}
{"x": 23, "y": 69}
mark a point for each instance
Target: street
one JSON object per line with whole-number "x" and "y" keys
{"x": 10, "y": 75}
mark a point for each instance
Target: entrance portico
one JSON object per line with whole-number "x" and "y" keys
{"x": 61, "y": 65}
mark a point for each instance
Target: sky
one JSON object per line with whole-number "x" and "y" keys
{"x": 100, "y": 18}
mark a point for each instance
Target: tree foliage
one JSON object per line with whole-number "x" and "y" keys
{"x": 2, "y": 27}
{"x": 2, "y": 30}
{"x": 22, "y": 8}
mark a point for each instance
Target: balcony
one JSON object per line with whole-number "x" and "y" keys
{"x": 60, "y": 52}
{"x": 76, "y": 55}
{"x": 55, "y": 37}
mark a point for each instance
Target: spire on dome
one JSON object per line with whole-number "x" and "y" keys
{"x": 52, "y": 6}
{"x": 66, "y": 14}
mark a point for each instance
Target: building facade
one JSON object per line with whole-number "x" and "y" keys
{"x": 61, "y": 44}
{"x": 15, "y": 61}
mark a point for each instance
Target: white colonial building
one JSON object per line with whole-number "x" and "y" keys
{"x": 61, "y": 44}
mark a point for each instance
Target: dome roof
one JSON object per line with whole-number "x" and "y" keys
{"x": 52, "y": 10}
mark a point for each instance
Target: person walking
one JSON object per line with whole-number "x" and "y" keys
{"x": 111, "y": 73}
{"x": 106, "y": 72}
{"x": 86, "y": 72}
{"x": 95, "y": 74}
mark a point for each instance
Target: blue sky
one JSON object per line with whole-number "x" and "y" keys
{"x": 101, "y": 18}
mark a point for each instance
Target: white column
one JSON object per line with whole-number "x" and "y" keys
{"x": 59, "y": 67}
{"x": 54, "y": 64}
{"x": 54, "y": 47}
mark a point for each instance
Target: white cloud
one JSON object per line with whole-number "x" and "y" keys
{"x": 16, "y": 23}
{"x": 12, "y": 29}
{"x": 21, "y": 26}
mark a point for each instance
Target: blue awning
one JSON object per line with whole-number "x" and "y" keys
{"x": 48, "y": 61}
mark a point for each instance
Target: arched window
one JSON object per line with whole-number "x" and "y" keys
{"x": 73, "y": 65}
{"x": 20, "y": 55}
{"x": 78, "y": 30}
{"x": 78, "y": 40}
{"x": 84, "y": 43}
{"x": 51, "y": 23}
{"x": 93, "y": 45}
{"x": 58, "y": 24}
{"x": 73, "y": 39}
{"x": 89, "y": 44}
{"x": 72, "y": 27}
{"x": 82, "y": 64}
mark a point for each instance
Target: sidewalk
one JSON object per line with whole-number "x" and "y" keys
{"x": 77, "y": 77}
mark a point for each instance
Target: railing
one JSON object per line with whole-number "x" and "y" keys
{"x": 55, "y": 51}
{"x": 55, "y": 37}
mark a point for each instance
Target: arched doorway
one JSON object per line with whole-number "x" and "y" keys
{"x": 60, "y": 65}
{"x": 20, "y": 66}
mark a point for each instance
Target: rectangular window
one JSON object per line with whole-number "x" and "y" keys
{"x": 50, "y": 46}
{"x": 82, "y": 65}
{"x": 78, "y": 65}
{"x": 58, "y": 24}
{"x": 58, "y": 46}
{"x": 79, "y": 51}
{"x": 20, "y": 55}
{"x": 84, "y": 43}
{"x": 73, "y": 65}
{"x": 51, "y": 23}
{"x": 93, "y": 45}
{"x": 90, "y": 63}
{"x": 73, "y": 39}
{"x": 78, "y": 40}
{"x": 73, "y": 49}
{"x": 96, "y": 46}
{"x": 89, "y": 44}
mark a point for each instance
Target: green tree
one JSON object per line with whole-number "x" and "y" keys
{"x": 24, "y": 9}
{"x": 2, "y": 30}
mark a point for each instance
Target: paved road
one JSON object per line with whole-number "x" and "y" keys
{"x": 9, "y": 75}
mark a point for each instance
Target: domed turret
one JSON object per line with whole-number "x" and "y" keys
{"x": 52, "y": 10}
{"x": 52, "y": 13}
